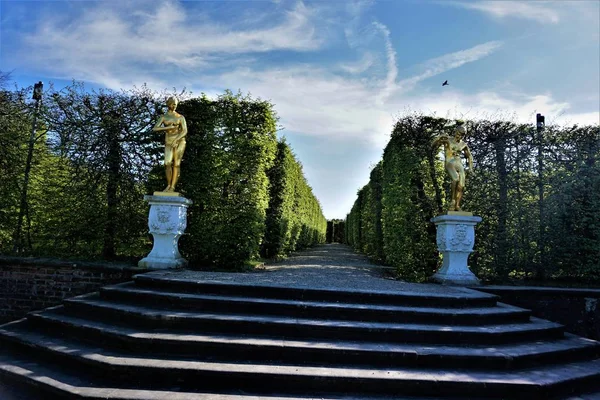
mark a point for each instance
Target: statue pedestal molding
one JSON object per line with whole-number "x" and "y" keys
{"x": 166, "y": 222}
{"x": 455, "y": 240}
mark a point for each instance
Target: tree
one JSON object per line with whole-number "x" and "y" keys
{"x": 106, "y": 137}
{"x": 16, "y": 136}
{"x": 33, "y": 139}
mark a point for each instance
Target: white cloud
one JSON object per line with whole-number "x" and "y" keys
{"x": 333, "y": 104}
{"x": 316, "y": 102}
{"x": 540, "y": 11}
{"x": 105, "y": 41}
{"x": 389, "y": 84}
{"x": 488, "y": 104}
{"x": 450, "y": 61}
{"x": 576, "y": 118}
{"x": 359, "y": 66}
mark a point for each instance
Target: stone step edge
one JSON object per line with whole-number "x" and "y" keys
{"x": 32, "y": 377}
{"x": 530, "y": 377}
{"x": 501, "y": 308}
{"x": 505, "y": 357}
{"x": 470, "y": 295}
{"x": 156, "y": 314}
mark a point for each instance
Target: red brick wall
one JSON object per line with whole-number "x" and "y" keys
{"x": 30, "y": 284}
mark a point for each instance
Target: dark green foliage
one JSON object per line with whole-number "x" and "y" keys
{"x": 390, "y": 219}
{"x": 294, "y": 217}
{"x": 408, "y": 200}
{"x": 339, "y": 230}
{"x": 353, "y": 222}
{"x": 364, "y": 224}
{"x": 329, "y": 234}
{"x": 16, "y": 121}
{"x": 231, "y": 145}
{"x": 512, "y": 241}
{"x": 103, "y": 151}
{"x": 313, "y": 225}
{"x": 281, "y": 205}
{"x": 371, "y": 223}
{"x": 97, "y": 157}
{"x": 573, "y": 208}
{"x": 336, "y": 231}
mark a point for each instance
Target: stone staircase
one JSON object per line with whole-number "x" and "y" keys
{"x": 166, "y": 338}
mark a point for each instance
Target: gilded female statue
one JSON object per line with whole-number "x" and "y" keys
{"x": 453, "y": 147}
{"x": 175, "y": 128}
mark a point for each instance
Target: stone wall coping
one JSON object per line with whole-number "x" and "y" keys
{"x": 172, "y": 200}
{"x": 463, "y": 219}
{"x": 53, "y": 262}
{"x": 580, "y": 292}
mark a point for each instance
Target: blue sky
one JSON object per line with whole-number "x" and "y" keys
{"x": 339, "y": 72}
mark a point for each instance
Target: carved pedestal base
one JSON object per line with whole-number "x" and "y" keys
{"x": 455, "y": 240}
{"x": 166, "y": 222}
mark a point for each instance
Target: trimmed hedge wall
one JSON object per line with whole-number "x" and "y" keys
{"x": 294, "y": 217}
{"x": 231, "y": 144}
{"x": 250, "y": 196}
{"x": 336, "y": 231}
{"x": 390, "y": 219}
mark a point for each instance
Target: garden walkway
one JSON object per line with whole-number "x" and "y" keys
{"x": 329, "y": 266}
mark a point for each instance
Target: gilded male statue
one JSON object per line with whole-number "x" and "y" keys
{"x": 453, "y": 148}
{"x": 175, "y": 128}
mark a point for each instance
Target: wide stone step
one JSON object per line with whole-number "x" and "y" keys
{"x": 146, "y": 316}
{"x": 164, "y": 373}
{"x": 315, "y": 309}
{"x": 448, "y": 298}
{"x": 593, "y": 395}
{"x": 56, "y": 382}
{"x": 306, "y": 352}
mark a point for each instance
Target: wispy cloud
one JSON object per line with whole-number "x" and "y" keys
{"x": 389, "y": 84}
{"x": 106, "y": 41}
{"x": 317, "y": 102}
{"x": 314, "y": 101}
{"x": 360, "y": 66}
{"x": 540, "y": 11}
{"x": 450, "y": 61}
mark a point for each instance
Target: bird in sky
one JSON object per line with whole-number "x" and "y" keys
{"x": 445, "y": 83}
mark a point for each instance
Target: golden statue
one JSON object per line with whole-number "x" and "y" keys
{"x": 175, "y": 128}
{"x": 453, "y": 147}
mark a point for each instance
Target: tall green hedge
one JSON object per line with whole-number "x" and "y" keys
{"x": 353, "y": 222}
{"x": 294, "y": 217}
{"x": 390, "y": 219}
{"x": 371, "y": 226}
{"x": 231, "y": 144}
{"x": 336, "y": 230}
{"x": 512, "y": 240}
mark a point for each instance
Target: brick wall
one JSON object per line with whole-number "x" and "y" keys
{"x": 28, "y": 284}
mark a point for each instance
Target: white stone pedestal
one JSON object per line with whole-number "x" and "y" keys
{"x": 166, "y": 222}
{"x": 455, "y": 240}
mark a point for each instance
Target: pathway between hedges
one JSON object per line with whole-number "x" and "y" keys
{"x": 328, "y": 266}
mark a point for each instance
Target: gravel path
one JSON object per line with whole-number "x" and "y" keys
{"x": 334, "y": 266}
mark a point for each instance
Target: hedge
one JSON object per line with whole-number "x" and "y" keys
{"x": 512, "y": 240}
{"x": 294, "y": 217}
